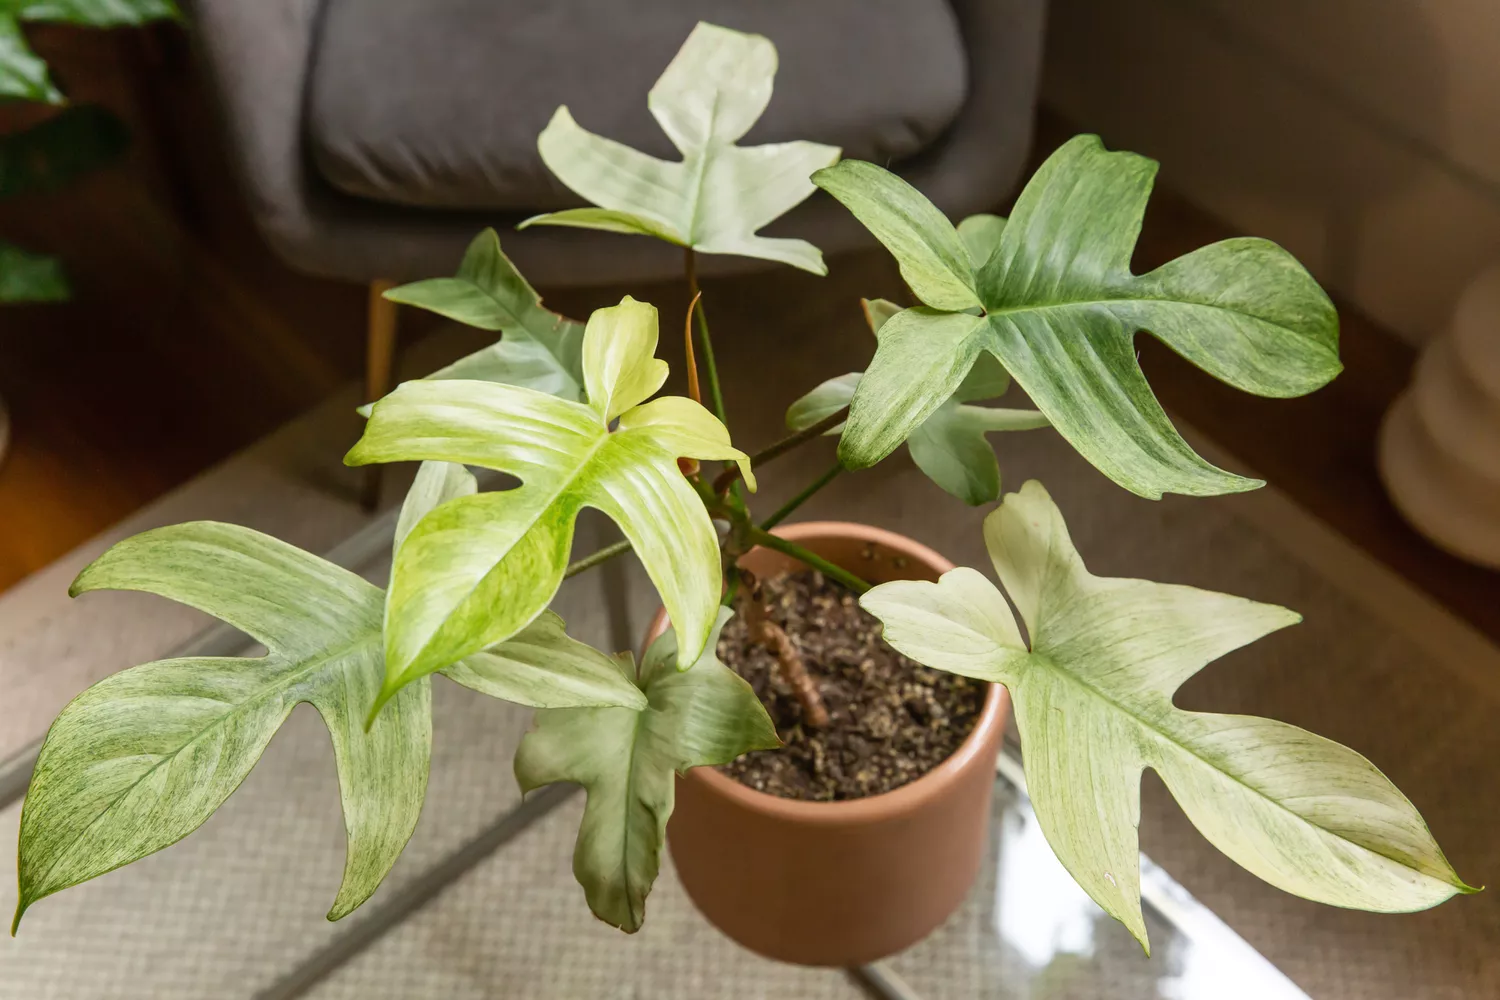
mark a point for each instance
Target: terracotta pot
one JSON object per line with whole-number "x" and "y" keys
{"x": 839, "y": 883}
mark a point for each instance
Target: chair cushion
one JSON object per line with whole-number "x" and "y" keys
{"x": 439, "y": 103}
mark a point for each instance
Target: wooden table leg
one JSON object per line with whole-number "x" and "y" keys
{"x": 380, "y": 353}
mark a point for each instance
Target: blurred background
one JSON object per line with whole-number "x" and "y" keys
{"x": 225, "y": 193}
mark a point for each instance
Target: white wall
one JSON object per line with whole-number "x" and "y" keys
{"x": 1363, "y": 135}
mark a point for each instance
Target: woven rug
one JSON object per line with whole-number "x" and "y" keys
{"x": 229, "y": 910}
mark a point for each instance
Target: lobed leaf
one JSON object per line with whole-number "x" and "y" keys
{"x": 538, "y": 349}
{"x": 478, "y": 569}
{"x": 949, "y": 446}
{"x": 540, "y": 666}
{"x": 627, "y": 761}
{"x": 143, "y": 758}
{"x": 1060, "y": 310}
{"x": 934, "y": 262}
{"x": 1093, "y": 703}
{"x": 717, "y": 197}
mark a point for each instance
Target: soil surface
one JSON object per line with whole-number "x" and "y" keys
{"x": 890, "y": 720}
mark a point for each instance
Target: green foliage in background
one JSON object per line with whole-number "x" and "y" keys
{"x": 628, "y": 760}
{"x": 53, "y": 152}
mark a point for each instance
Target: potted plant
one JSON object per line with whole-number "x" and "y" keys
{"x": 1046, "y": 298}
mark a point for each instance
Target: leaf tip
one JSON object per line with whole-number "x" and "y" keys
{"x": 386, "y": 692}
{"x": 21, "y": 906}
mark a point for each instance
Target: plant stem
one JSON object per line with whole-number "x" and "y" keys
{"x": 800, "y": 498}
{"x": 690, "y": 265}
{"x": 786, "y": 444}
{"x": 602, "y": 556}
{"x": 812, "y": 559}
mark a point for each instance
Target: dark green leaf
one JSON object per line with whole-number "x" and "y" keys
{"x": 48, "y": 155}
{"x": 627, "y": 761}
{"x": 1093, "y": 702}
{"x": 30, "y": 277}
{"x": 539, "y": 349}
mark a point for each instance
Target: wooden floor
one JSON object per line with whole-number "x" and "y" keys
{"x": 188, "y": 341}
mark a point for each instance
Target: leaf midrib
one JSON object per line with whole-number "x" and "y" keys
{"x": 1167, "y": 738}
{"x": 700, "y": 171}
{"x": 550, "y": 340}
{"x": 635, "y": 742}
{"x": 1106, "y": 301}
{"x": 284, "y": 681}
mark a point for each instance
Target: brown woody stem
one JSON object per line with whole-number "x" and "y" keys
{"x": 694, "y": 393}
{"x": 788, "y": 659}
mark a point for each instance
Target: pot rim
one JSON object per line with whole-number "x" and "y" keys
{"x": 909, "y": 797}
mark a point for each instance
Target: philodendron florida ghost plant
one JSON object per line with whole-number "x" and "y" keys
{"x": 1045, "y": 297}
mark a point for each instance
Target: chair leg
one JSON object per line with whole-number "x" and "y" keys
{"x": 380, "y": 353}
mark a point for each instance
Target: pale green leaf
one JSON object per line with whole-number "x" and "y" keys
{"x": 435, "y": 484}
{"x": 951, "y": 449}
{"x": 30, "y": 277}
{"x": 627, "y": 761}
{"x": 933, "y": 260}
{"x": 1093, "y": 703}
{"x": 539, "y": 666}
{"x": 539, "y": 349}
{"x": 620, "y": 367}
{"x": 717, "y": 197}
{"x": 141, "y": 759}
{"x": 949, "y": 446}
{"x": 477, "y": 569}
{"x": 878, "y": 312}
{"x": 822, "y": 402}
{"x": 23, "y": 74}
{"x": 542, "y": 667}
{"x": 981, "y": 235}
{"x": 988, "y": 379}
{"x": 1061, "y": 310}
{"x": 921, "y": 358}
{"x": 570, "y": 142}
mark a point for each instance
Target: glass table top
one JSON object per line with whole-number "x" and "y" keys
{"x": 1028, "y": 931}
{"x": 1025, "y": 932}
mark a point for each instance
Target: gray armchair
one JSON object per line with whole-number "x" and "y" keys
{"x": 374, "y": 138}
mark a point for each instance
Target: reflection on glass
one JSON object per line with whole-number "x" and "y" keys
{"x": 1029, "y": 932}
